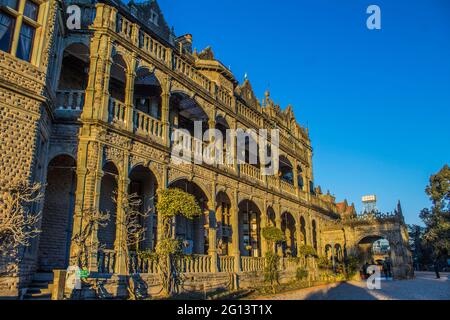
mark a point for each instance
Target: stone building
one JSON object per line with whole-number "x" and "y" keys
{"x": 90, "y": 110}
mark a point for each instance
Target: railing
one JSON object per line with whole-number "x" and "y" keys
{"x": 138, "y": 264}
{"x": 250, "y": 171}
{"x": 289, "y": 264}
{"x": 70, "y": 100}
{"x": 249, "y": 114}
{"x": 153, "y": 47}
{"x": 197, "y": 148}
{"x": 117, "y": 111}
{"x": 224, "y": 97}
{"x": 226, "y": 264}
{"x": 287, "y": 187}
{"x": 106, "y": 261}
{"x": 272, "y": 182}
{"x": 249, "y": 264}
{"x": 124, "y": 27}
{"x": 143, "y": 123}
{"x": 195, "y": 264}
{"x": 189, "y": 71}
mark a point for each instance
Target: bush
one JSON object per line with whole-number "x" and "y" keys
{"x": 301, "y": 274}
{"x": 271, "y": 273}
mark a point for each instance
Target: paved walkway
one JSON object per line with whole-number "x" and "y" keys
{"x": 424, "y": 287}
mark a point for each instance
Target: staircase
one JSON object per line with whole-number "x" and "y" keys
{"x": 40, "y": 288}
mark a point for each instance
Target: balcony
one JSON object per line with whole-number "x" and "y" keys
{"x": 147, "y": 126}
{"x": 69, "y": 103}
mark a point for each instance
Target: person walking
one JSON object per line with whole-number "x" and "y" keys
{"x": 385, "y": 269}
{"x": 436, "y": 269}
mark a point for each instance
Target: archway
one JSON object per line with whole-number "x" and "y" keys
{"x": 57, "y": 216}
{"x": 271, "y": 217}
{"x": 147, "y": 93}
{"x": 314, "y": 234}
{"x": 108, "y": 194}
{"x": 185, "y": 111}
{"x": 303, "y": 230}
{"x": 286, "y": 170}
{"x": 223, "y": 218}
{"x": 249, "y": 229}
{"x": 118, "y": 79}
{"x": 374, "y": 249}
{"x": 143, "y": 183}
{"x": 289, "y": 229}
{"x": 193, "y": 232}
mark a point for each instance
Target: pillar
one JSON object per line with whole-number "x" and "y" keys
{"x": 129, "y": 94}
{"x": 235, "y": 233}
{"x": 165, "y": 101}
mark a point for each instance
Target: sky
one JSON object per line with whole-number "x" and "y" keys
{"x": 376, "y": 102}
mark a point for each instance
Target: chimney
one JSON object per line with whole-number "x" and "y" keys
{"x": 185, "y": 42}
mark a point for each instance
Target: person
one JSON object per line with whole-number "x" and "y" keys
{"x": 389, "y": 267}
{"x": 436, "y": 269}
{"x": 366, "y": 265}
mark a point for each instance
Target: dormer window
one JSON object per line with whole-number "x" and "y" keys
{"x": 154, "y": 17}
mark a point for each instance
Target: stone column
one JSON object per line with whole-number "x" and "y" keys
{"x": 234, "y": 210}
{"x": 165, "y": 100}
{"x": 129, "y": 94}
{"x": 264, "y": 223}
{"x": 278, "y": 225}
{"x": 120, "y": 242}
{"x": 297, "y": 190}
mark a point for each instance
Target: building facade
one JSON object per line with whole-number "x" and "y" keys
{"x": 89, "y": 110}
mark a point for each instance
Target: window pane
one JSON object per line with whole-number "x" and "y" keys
{"x": 9, "y": 3}
{"x": 31, "y": 10}
{"x": 6, "y": 32}
{"x": 25, "y": 42}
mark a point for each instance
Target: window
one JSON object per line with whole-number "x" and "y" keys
{"x": 18, "y": 24}
{"x": 154, "y": 17}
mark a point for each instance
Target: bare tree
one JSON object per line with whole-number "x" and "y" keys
{"x": 91, "y": 220}
{"x": 19, "y": 220}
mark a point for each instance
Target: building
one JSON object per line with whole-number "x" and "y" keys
{"x": 89, "y": 112}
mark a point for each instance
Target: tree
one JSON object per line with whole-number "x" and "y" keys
{"x": 172, "y": 203}
{"x": 437, "y": 218}
{"x": 19, "y": 221}
{"x": 420, "y": 250}
{"x": 273, "y": 235}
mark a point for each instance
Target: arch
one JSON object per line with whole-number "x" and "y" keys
{"x": 271, "y": 216}
{"x": 303, "y": 230}
{"x": 108, "y": 195}
{"x": 224, "y": 224}
{"x": 300, "y": 180}
{"x": 185, "y": 111}
{"x": 329, "y": 252}
{"x": 286, "y": 170}
{"x": 143, "y": 183}
{"x": 147, "y": 93}
{"x": 193, "y": 232}
{"x": 74, "y": 71}
{"x": 199, "y": 184}
{"x": 249, "y": 218}
{"x": 57, "y": 214}
{"x": 118, "y": 78}
{"x": 288, "y": 226}
{"x": 314, "y": 234}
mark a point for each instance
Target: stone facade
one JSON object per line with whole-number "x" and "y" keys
{"x": 94, "y": 113}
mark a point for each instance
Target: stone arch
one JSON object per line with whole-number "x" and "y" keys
{"x": 224, "y": 222}
{"x": 271, "y": 216}
{"x": 108, "y": 194}
{"x": 249, "y": 216}
{"x": 147, "y": 92}
{"x": 303, "y": 229}
{"x": 57, "y": 214}
{"x": 200, "y": 184}
{"x": 193, "y": 232}
{"x": 289, "y": 228}
{"x": 314, "y": 232}
{"x": 74, "y": 71}
{"x": 119, "y": 77}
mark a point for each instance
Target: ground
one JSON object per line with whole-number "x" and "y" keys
{"x": 425, "y": 286}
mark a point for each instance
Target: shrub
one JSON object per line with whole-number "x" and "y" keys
{"x": 301, "y": 274}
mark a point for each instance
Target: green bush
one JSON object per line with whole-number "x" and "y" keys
{"x": 301, "y": 274}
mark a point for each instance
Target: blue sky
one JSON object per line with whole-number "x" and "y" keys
{"x": 377, "y": 103}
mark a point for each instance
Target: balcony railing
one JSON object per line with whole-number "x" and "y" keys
{"x": 226, "y": 264}
{"x": 250, "y": 171}
{"x": 147, "y": 125}
{"x": 139, "y": 264}
{"x": 190, "y": 72}
{"x": 153, "y": 47}
{"x": 106, "y": 261}
{"x": 69, "y": 100}
{"x": 117, "y": 111}
{"x": 195, "y": 264}
{"x": 252, "y": 264}
{"x": 125, "y": 27}
{"x": 287, "y": 187}
{"x": 248, "y": 114}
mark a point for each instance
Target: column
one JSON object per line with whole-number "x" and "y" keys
{"x": 295, "y": 171}
{"x": 212, "y": 232}
{"x": 129, "y": 94}
{"x": 278, "y": 225}
{"x": 235, "y": 233}
{"x": 165, "y": 100}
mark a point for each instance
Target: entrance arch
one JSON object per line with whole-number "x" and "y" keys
{"x": 289, "y": 229}
{"x": 108, "y": 194}
{"x": 193, "y": 231}
{"x": 249, "y": 229}
{"x": 57, "y": 215}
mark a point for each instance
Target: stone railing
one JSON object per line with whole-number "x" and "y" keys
{"x": 117, "y": 111}
{"x": 250, "y": 171}
{"x": 147, "y": 125}
{"x": 106, "y": 261}
{"x": 195, "y": 264}
{"x": 124, "y": 27}
{"x": 287, "y": 187}
{"x": 190, "y": 72}
{"x": 272, "y": 182}
{"x": 224, "y": 97}
{"x": 289, "y": 264}
{"x": 137, "y": 264}
{"x": 198, "y": 148}
{"x": 69, "y": 100}
{"x": 153, "y": 47}
{"x": 226, "y": 264}
{"x": 249, "y": 114}
{"x": 249, "y": 264}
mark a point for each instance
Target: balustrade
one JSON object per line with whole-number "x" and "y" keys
{"x": 143, "y": 123}
{"x": 117, "y": 111}
{"x": 106, "y": 261}
{"x": 69, "y": 100}
{"x": 195, "y": 264}
{"x": 251, "y": 264}
{"x": 226, "y": 264}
